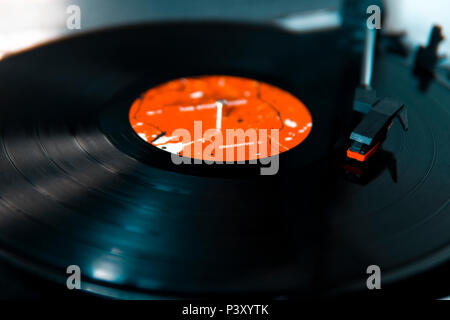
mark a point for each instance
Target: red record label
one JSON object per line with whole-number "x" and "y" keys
{"x": 220, "y": 118}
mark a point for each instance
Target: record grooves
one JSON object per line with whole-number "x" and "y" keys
{"x": 79, "y": 186}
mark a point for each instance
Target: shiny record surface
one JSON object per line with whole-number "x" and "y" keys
{"x": 79, "y": 186}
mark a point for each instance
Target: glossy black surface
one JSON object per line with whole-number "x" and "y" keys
{"x": 74, "y": 191}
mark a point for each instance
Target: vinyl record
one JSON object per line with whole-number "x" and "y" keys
{"x": 78, "y": 185}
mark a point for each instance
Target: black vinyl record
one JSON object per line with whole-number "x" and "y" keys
{"x": 79, "y": 187}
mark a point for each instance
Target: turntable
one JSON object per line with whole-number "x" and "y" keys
{"x": 206, "y": 159}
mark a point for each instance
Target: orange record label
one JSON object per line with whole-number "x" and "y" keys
{"x": 220, "y": 118}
